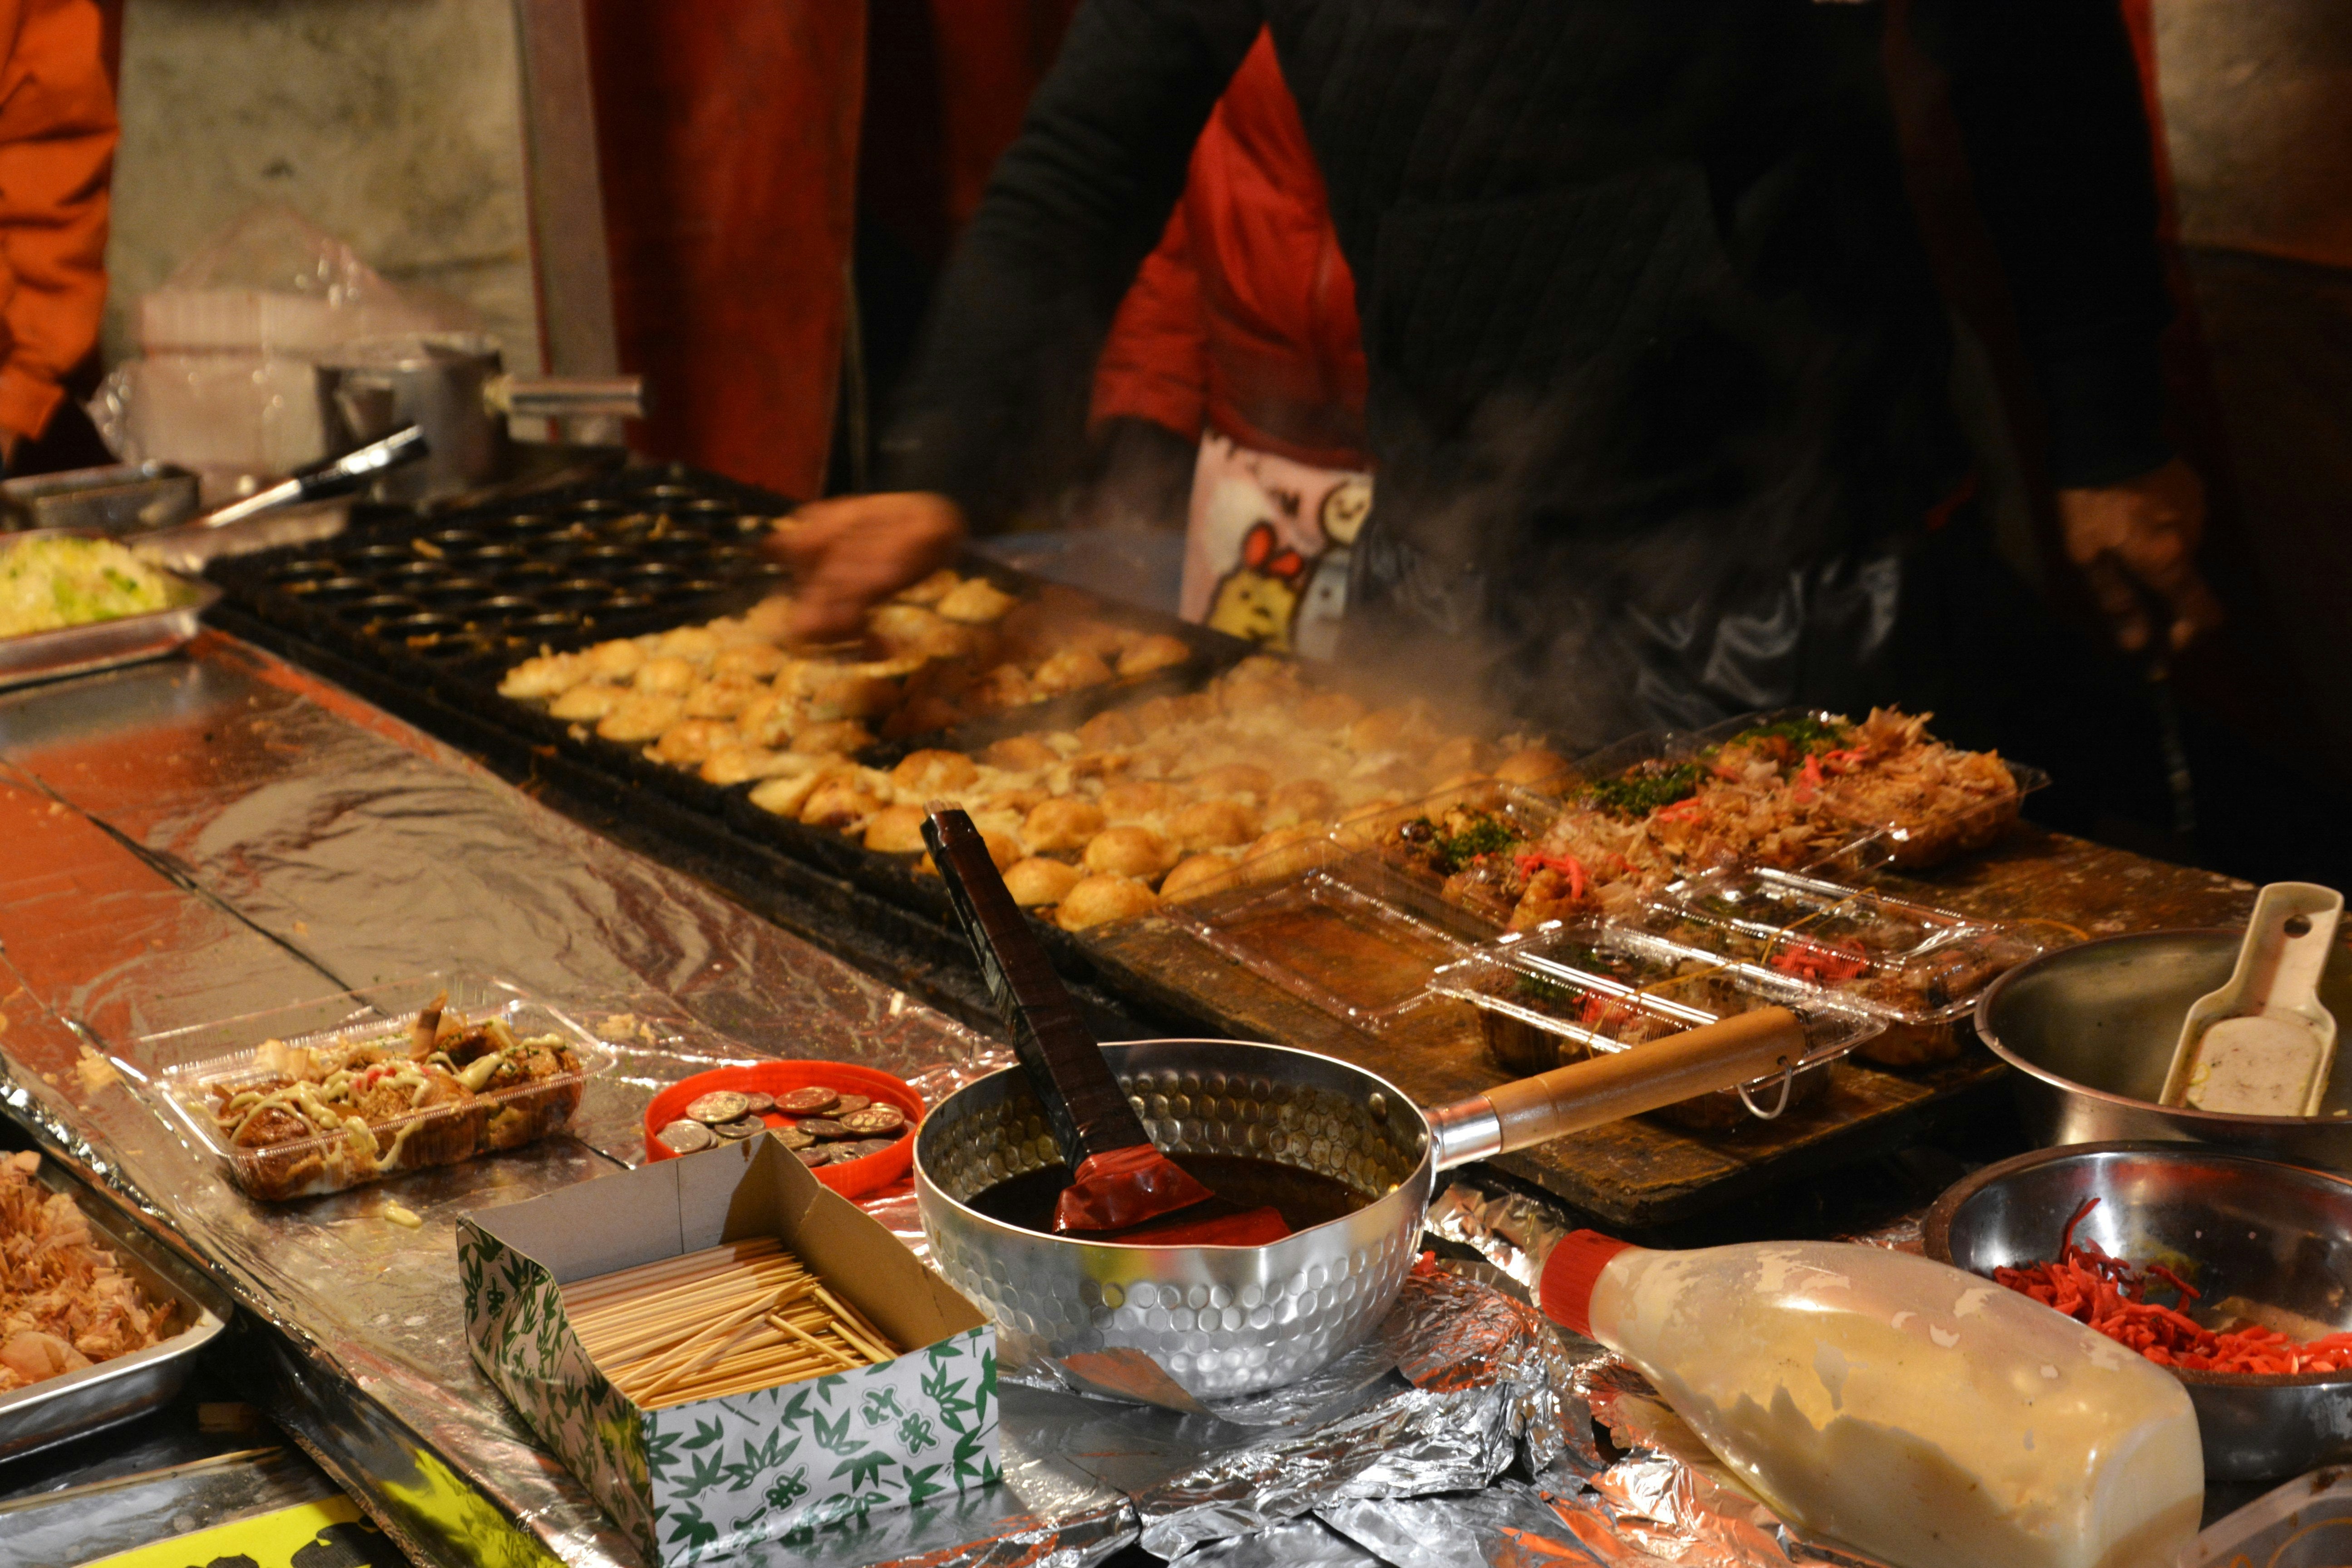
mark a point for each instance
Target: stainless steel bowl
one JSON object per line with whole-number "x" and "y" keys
{"x": 2238, "y": 1229}
{"x": 2091, "y": 1031}
{"x": 1173, "y": 1325}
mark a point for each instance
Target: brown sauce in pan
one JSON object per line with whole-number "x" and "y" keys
{"x": 1240, "y": 1181}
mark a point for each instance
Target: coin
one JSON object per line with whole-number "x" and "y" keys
{"x": 807, "y": 1101}
{"x": 795, "y": 1138}
{"x": 875, "y": 1119}
{"x": 824, "y": 1127}
{"x": 845, "y": 1152}
{"x": 743, "y": 1127}
{"x": 847, "y": 1103}
{"x": 718, "y": 1105}
{"x": 815, "y": 1154}
{"x": 756, "y": 1103}
{"x": 683, "y": 1137}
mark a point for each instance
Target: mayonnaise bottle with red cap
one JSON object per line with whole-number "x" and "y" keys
{"x": 1907, "y": 1409}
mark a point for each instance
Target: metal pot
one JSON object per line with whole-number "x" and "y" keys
{"x": 2091, "y": 1031}
{"x": 2253, "y": 1229}
{"x": 1173, "y": 1325}
{"x": 452, "y": 386}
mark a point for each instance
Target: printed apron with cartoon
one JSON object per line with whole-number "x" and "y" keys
{"x": 1265, "y": 546}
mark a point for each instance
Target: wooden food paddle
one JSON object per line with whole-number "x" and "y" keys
{"x": 1121, "y": 1187}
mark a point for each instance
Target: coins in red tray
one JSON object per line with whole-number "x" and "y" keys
{"x": 684, "y": 1137}
{"x": 756, "y": 1103}
{"x": 847, "y": 1103}
{"x": 740, "y": 1128}
{"x": 795, "y": 1138}
{"x": 824, "y": 1127}
{"x": 718, "y": 1105}
{"x": 810, "y": 1101}
{"x": 874, "y": 1120}
{"x": 815, "y": 1154}
{"x": 844, "y": 1153}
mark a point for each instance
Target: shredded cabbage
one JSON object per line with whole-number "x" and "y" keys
{"x": 45, "y": 583}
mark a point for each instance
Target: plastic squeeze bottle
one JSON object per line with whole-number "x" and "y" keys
{"x": 1908, "y": 1409}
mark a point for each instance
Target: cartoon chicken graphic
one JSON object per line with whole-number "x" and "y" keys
{"x": 1258, "y": 598}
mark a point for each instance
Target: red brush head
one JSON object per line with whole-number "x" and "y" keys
{"x": 1123, "y": 1188}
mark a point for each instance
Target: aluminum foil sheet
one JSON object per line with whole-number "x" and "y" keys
{"x": 202, "y": 837}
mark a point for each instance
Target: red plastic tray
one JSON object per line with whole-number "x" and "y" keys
{"x": 853, "y": 1179}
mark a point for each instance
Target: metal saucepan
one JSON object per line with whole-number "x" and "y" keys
{"x": 1173, "y": 1325}
{"x": 2240, "y": 1229}
{"x": 2091, "y": 1031}
{"x": 452, "y": 386}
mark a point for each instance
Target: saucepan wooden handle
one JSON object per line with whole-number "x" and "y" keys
{"x": 1740, "y": 1049}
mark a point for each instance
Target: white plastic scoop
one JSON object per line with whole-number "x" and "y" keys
{"x": 2263, "y": 1045}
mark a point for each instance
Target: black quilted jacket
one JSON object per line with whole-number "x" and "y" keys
{"x": 1658, "y": 372}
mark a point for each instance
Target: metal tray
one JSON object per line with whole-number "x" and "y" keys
{"x": 32, "y": 656}
{"x": 63, "y": 1408}
{"x": 124, "y": 497}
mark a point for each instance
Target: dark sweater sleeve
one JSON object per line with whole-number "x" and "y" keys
{"x": 2047, "y": 93}
{"x": 1071, "y": 210}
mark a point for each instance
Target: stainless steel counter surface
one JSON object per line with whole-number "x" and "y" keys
{"x": 206, "y": 837}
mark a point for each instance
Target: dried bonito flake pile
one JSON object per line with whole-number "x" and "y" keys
{"x": 65, "y": 1301}
{"x": 732, "y": 700}
{"x": 1786, "y": 795}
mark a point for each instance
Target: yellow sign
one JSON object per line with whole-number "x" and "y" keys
{"x": 329, "y": 1533}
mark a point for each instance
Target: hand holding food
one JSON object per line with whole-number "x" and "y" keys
{"x": 855, "y": 552}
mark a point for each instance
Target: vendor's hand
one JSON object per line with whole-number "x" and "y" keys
{"x": 855, "y": 552}
{"x": 2137, "y": 543}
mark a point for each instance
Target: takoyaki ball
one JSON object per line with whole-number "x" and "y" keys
{"x": 933, "y": 588}
{"x": 1072, "y": 669}
{"x": 617, "y": 660}
{"x": 1014, "y": 802}
{"x": 1038, "y": 880}
{"x": 1532, "y": 765}
{"x": 1154, "y": 714}
{"x": 747, "y": 661}
{"x": 738, "y": 763}
{"x": 840, "y": 803}
{"x": 1158, "y": 652}
{"x": 1003, "y": 852}
{"x": 591, "y": 701}
{"x": 1131, "y": 850}
{"x": 1400, "y": 728}
{"x": 769, "y": 719}
{"x": 549, "y": 675}
{"x": 641, "y": 716}
{"x": 666, "y": 677}
{"x": 1101, "y": 900}
{"x": 1462, "y": 754}
{"x": 1215, "y": 825}
{"x": 1000, "y": 688}
{"x": 910, "y": 631}
{"x": 696, "y": 644}
{"x": 1020, "y": 754}
{"x": 1084, "y": 633}
{"x": 1301, "y": 800}
{"x": 719, "y": 698}
{"x": 837, "y": 737}
{"x": 1364, "y": 826}
{"x": 1134, "y": 801}
{"x": 1232, "y": 778}
{"x": 770, "y": 620}
{"x": 897, "y": 830}
{"x": 840, "y": 691}
{"x": 1061, "y": 825}
{"x": 1328, "y": 711}
{"x": 1283, "y": 853}
{"x": 975, "y": 601}
{"x": 1198, "y": 874}
{"x": 787, "y": 794}
{"x": 933, "y": 773}
{"x": 1110, "y": 728}
{"x": 690, "y": 742}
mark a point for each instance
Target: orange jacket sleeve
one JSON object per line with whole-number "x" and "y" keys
{"x": 1155, "y": 364}
{"x": 57, "y": 153}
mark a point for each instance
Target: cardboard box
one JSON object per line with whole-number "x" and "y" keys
{"x": 705, "y": 1478}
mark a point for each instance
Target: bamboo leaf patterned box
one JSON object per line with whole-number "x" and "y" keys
{"x": 705, "y": 1478}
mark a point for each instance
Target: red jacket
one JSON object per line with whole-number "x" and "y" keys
{"x": 57, "y": 152}
{"x": 1245, "y": 318}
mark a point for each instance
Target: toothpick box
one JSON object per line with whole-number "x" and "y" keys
{"x": 706, "y": 1478}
